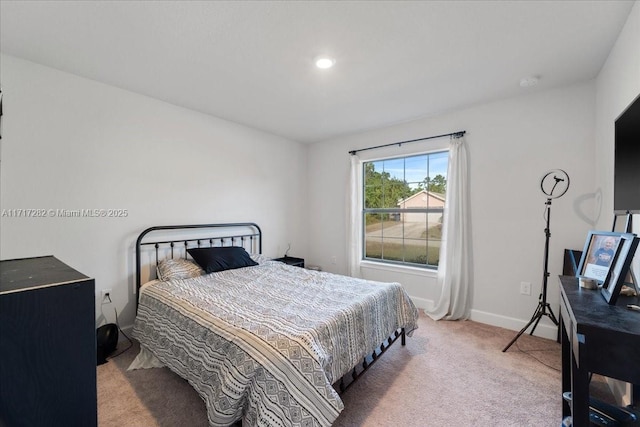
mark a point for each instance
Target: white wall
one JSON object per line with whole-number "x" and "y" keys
{"x": 617, "y": 85}
{"x": 511, "y": 144}
{"x": 72, "y": 143}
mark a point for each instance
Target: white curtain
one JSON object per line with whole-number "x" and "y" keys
{"x": 354, "y": 219}
{"x": 454, "y": 269}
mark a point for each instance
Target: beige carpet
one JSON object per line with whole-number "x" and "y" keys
{"x": 448, "y": 374}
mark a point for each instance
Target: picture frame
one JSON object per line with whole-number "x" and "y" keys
{"x": 598, "y": 255}
{"x": 610, "y": 289}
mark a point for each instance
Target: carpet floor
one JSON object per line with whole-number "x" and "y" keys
{"x": 448, "y": 374}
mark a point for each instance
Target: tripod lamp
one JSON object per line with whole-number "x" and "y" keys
{"x": 553, "y": 184}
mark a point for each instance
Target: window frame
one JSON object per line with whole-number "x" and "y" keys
{"x": 364, "y": 211}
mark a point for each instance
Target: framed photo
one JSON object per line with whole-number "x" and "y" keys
{"x": 618, "y": 272}
{"x": 598, "y": 255}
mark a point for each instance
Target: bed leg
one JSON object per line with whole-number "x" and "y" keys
{"x": 403, "y": 339}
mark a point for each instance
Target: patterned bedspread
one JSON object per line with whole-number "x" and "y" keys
{"x": 265, "y": 343}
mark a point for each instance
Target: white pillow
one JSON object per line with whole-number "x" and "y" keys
{"x": 178, "y": 268}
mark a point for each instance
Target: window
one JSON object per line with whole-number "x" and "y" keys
{"x": 403, "y": 207}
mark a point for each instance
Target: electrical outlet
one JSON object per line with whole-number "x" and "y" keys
{"x": 525, "y": 288}
{"x": 106, "y": 296}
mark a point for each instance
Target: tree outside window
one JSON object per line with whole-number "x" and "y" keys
{"x": 403, "y": 206}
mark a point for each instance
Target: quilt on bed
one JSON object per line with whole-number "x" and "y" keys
{"x": 265, "y": 343}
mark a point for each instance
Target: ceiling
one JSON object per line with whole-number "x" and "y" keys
{"x": 252, "y": 62}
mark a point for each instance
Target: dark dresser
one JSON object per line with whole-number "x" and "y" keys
{"x": 47, "y": 344}
{"x": 596, "y": 338}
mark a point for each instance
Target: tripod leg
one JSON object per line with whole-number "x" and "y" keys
{"x": 536, "y": 324}
{"x": 536, "y": 318}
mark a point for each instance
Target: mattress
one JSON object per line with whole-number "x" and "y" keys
{"x": 265, "y": 344}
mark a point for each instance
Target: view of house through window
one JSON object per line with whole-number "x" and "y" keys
{"x": 403, "y": 208}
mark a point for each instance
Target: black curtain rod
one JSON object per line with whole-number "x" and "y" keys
{"x": 456, "y": 134}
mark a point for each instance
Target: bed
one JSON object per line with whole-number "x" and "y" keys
{"x": 262, "y": 342}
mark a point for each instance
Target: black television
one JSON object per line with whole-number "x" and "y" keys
{"x": 626, "y": 183}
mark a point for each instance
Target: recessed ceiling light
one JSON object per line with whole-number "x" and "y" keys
{"x": 529, "y": 81}
{"x": 325, "y": 62}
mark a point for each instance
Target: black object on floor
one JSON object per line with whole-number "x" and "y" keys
{"x": 107, "y": 341}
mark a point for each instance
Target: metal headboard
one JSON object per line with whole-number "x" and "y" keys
{"x": 251, "y": 238}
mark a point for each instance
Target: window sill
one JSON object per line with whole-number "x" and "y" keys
{"x": 405, "y": 269}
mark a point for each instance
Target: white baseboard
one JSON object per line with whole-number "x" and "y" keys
{"x": 425, "y": 304}
{"x": 545, "y": 329}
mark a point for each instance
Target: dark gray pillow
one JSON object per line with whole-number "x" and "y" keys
{"x": 221, "y": 258}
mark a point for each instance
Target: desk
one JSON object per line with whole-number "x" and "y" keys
{"x": 598, "y": 338}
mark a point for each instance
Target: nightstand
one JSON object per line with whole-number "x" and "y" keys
{"x": 296, "y": 262}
